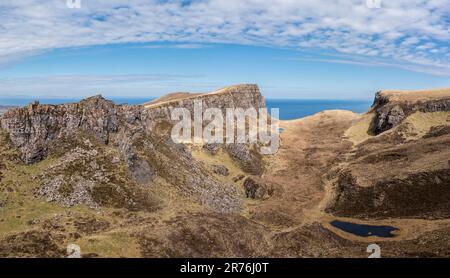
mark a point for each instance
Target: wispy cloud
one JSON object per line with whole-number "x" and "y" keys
{"x": 412, "y": 33}
{"x": 113, "y": 85}
{"x": 178, "y": 46}
{"x": 379, "y": 62}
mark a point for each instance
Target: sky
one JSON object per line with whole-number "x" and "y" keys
{"x": 322, "y": 49}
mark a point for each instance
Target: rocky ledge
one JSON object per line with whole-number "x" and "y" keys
{"x": 138, "y": 134}
{"x": 403, "y": 171}
{"x": 33, "y": 128}
{"x": 392, "y": 107}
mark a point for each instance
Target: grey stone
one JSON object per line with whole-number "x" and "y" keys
{"x": 221, "y": 170}
{"x": 255, "y": 188}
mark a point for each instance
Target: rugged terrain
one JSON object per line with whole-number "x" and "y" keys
{"x": 109, "y": 178}
{"x": 4, "y": 108}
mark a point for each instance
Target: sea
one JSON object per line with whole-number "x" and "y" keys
{"x": 299, "y": 108}
{"x": 289, "y": 109}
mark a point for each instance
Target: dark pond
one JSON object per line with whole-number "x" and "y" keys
{"x": 364, "y": 230}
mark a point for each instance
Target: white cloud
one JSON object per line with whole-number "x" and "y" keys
{"x": 414, "y": 32}
{"x": 111, "y": 85}
{"x": 178, "y": 46}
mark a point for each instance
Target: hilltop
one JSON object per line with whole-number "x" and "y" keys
{"x": 244, "y": 95}
{"x": 392, "y": 107}
{"x": 397, "y": 96}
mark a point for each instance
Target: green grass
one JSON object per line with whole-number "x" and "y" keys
{"x": 112, "y": 244}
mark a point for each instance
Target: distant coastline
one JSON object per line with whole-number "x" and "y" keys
{"x": 289, "y": 108}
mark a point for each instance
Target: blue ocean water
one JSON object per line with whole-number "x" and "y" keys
{"x": 299, "y": 108}
{"x": 289, "y": 108}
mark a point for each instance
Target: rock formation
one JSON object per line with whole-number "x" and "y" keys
{"x": 139, "y": 133}
{"x": 391, "y": 107}
{"x": 34, "y": 128}
{"x": 403, "y": 171}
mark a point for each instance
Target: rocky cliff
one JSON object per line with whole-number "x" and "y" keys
{"x": 392, "y": 107}
{"x": 401, "y": 167}
{"x": 138, "y": 133}
{"x": 242, "y": 96}
{"x": 33, "y": 128}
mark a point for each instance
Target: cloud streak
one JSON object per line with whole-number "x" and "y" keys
{"x": 414, "y": 34}
{"x": 113, "y": 85}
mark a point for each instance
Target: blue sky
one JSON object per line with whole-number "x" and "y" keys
{"x": 292, "y": 49}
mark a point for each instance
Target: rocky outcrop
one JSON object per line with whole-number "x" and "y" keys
{"x": 256, "y": 188}
{"x": 437, "y": 131}
{"x": 138, "y": 133}
{"x": 402, "y": 173}
{"x": 392, "y": 107}
{"x": 86, "y": 175}
{"x": 243, "y": 96}
{"x": 423, "y": 194}
{"x": 247, "y": 157}
{"x": 221, "y": 170}
{"x": 33, "y": 128}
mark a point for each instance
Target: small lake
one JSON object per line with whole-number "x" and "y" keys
{"x": 364, "y": 230}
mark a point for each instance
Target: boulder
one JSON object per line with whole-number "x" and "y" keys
{"x": 221, "y": 170}
{"x": 256, "y": 188}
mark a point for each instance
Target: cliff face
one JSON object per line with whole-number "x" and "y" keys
{"x": 138, "y": 133}
{"x": 245, "y": 96}
{"x": 403, "y": 172}
{"x": 33, "y": 128}
{"x": 242, "y": 96}
{"x": 392, "y": 107}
